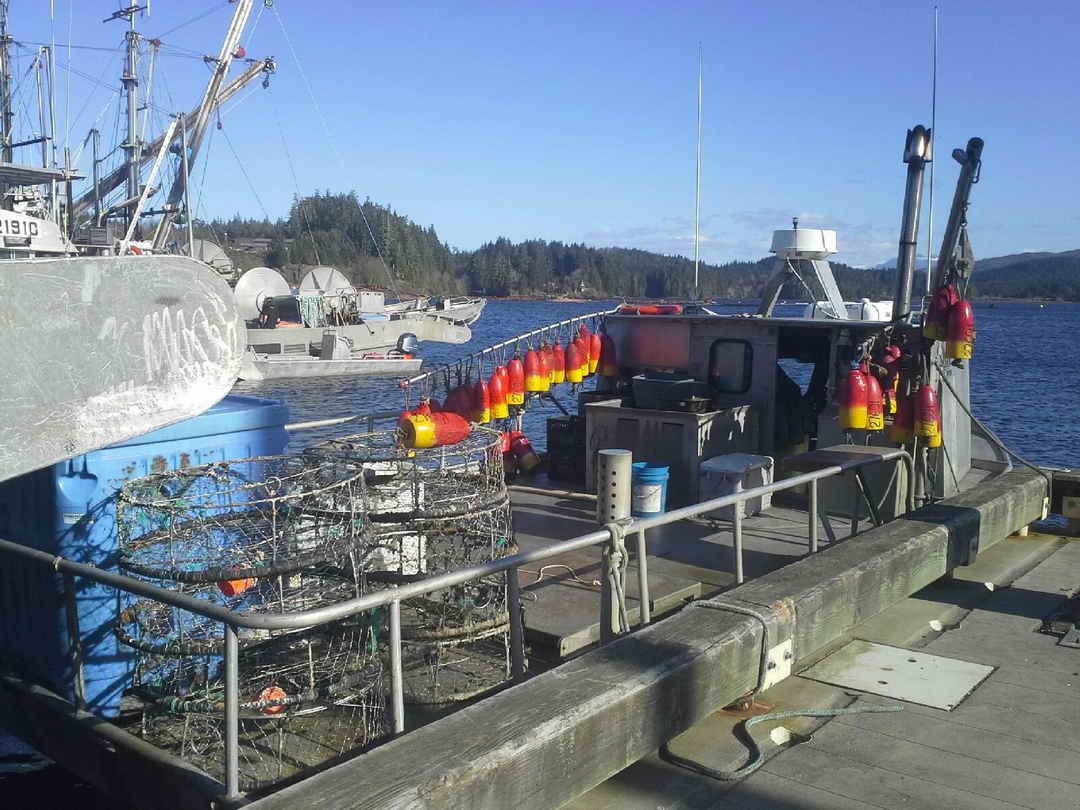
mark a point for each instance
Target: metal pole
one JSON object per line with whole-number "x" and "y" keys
{"x": 397, "y": 694}
{"x": 643, "y": 578}
{"x": 517, "y": 630}
{"x": 697, "y": 187}
{"x": 613, "y": 487}
{"x": 232, "y": 714}
{"x": 130, "y": 82}
{"x": 916, "y": 155}
{"x": 737, "y": 530}
{"x": 933, "y": 132}
{"x": 96, "y": 135}
{"x": 970, "y": 160}
{"x": 187, "y": 195}
{"x": 74, "y": 639}
{"x": 813, "y": 517}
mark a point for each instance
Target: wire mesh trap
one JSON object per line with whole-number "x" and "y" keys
{"x": 235, "y": 519}
{"x": 304, "y": 695}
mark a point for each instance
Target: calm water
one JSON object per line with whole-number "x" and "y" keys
{"x": 1025, "y": 375}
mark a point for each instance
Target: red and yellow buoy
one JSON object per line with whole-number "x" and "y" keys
{"x": 928, "y": 416}
{"x": 547, "y": 353}
{"x": 875, "y": 403}
{"x": 515, "y": 394}
{"x": 545, "y": 369}
{"x": 936, "y": 322}
{"x": 609, "y": 364}
{"x": 497, "y": 397}
{"x": 559, "y": 355}
{"x": 535, "y": 379}
{"x": 960, "y": 335}
{"x": 522, "y": 449}
{"x": 903, "y": 426}
{"x": 596, "y": 344}
{"x": 481, "y": 402}
{"x": 853, "y": 401}
{"x": 434, "y": 430}
{"x": 583, "y": 355}
{"x": 573, "y": 363}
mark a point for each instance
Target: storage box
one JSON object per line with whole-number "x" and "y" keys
{"x": 736, "y": 472}
{"x": 68, "y": 509}
{"x": 674, "y": 439}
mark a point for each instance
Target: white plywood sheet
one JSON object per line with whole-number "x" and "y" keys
{"x": 909, "y": 675}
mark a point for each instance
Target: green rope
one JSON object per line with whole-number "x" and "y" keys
{"x": 756, "y": 760}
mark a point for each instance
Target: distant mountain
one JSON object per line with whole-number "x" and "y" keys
{"x": 982, "y": 265}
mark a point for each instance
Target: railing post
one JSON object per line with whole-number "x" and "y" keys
{"x": 517, "y": 630}
{"x": 397, "y": 689}
{"x": 232, "y": 713}
{"x": 613, "y": 475}
{"x": 813, "y": 517}
{"x": 643, "y": 578}
{"x": 75, "y": 639}
{"x": 737, "y": 530}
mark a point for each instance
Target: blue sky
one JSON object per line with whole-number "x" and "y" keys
{"x": 576, "y": 120}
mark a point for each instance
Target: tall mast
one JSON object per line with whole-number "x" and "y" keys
{"x": 130, "y": 81}
{"x": 202, "y": 117}
{"x": 7, "y": 116}
{"x": 933, "y": 132}
{"x": 697, "y": 187}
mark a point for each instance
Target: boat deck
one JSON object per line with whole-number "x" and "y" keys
{"x": 1013, "y": 742}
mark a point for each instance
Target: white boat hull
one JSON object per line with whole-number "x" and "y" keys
{"x": 269, "y": 367}
{"x": 374, "y": 335}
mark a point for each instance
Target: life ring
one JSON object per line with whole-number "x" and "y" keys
{"x": 136, "y": 250}
{"x": 651, "y": 309}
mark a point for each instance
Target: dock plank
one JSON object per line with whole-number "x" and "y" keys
{"x": 813, "y": 767}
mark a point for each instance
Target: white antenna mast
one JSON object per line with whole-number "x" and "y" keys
{"x": 697, "y": 189}
{"x": 933, "y": 136}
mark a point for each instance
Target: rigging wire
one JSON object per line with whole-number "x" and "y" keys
{"x": 202, "y": 15}
{"x": 333, "y": 145}
{"x": 243, "y": 171}
{"x": 296, "y": 184}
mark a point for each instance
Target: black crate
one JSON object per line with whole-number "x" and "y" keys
{"x": 566, "y": 432}
{"x": 567, "y": 464}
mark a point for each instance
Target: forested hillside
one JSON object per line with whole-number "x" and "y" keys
{"x": 339, "y": 230}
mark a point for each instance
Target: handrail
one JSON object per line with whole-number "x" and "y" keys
{"x": 514, "y": 340}
{"x": 342, "y": 610}
{"x": 393, "y": 596}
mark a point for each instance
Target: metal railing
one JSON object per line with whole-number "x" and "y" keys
{"x": 392, "y": 597}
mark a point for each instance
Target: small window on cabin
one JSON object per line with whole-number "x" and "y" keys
{"x": 730, "y": 362}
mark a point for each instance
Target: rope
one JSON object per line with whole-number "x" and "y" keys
{"x": 616, "y": 560}
{"x": 756, "y": 759}
{"x": 993, "y": 436}
{"x": 717, "y": 604}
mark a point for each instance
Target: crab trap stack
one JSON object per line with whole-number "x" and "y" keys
{"x": 428, "y": 511}
{"x": 272, "y": 535}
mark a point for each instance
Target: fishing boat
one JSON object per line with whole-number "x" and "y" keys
{"x": 738, "y": 498}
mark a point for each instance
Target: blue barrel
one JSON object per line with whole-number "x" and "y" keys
{"x": 648, "y": 489}
{"x": 69, "y": 509}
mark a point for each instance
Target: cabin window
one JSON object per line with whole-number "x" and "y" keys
{"x": 730, "y": 362}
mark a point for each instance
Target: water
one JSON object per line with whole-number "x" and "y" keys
{"x": 1025, "y": 375}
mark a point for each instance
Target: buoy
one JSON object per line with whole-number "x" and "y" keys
{"x": 497, "y": 397}
{"x": 549, "y": 359}
{"x": 523, "y": 451}
{"x": 875, "y": 404}
{"x": 481, "y": 402}
{"x": 272, "y": 693}
{"x": 502, "y": 372}
{"x": 505, "y": 441}
{"x": 960, "y": 343}
{"x": 459, "y": 401}
{"x": 515, "y": 393}
{"x": 894, "y": 393}
{"x": 609, "y": 365}
{"x": 928, "y": 416}
{"x": 853, "y": 401}
{"x": 534, "y": 377}
{"x": 903, "y": 426}
{"x": 650, "y": 309}
{"x": 235, "y": 587}
{"x": 583, "y": 356}
{"x": 596, "y": 344}
{"x": 436, "y": 430}
{"x": 573, "y": 363}
{"x": 936, "y": 322}
{"x": 559, "y": 375}
{"x": 545, "y": 369}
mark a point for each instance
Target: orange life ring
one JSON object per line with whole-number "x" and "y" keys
{"x": 136, "y": 250}
{"x": 650, "y": 309}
